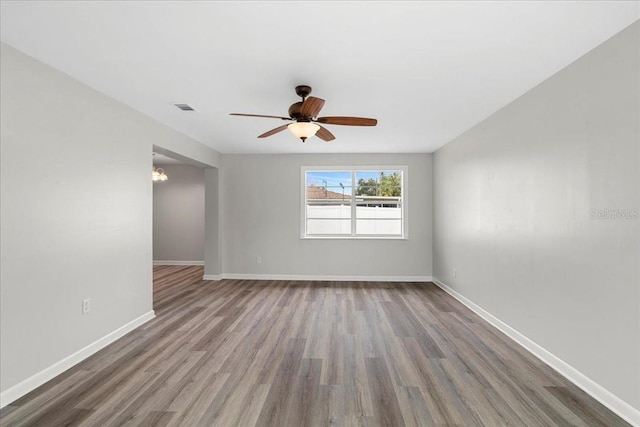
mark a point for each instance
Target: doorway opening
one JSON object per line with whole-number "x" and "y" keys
{"x": 178, "y": 222}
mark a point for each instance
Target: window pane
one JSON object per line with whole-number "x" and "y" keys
{"x": 372, "y": 226}
{"x": 328, "y": 206}
{"x": 328, "y": 226}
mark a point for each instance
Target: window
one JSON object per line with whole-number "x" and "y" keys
{"x": 354, "y": 202}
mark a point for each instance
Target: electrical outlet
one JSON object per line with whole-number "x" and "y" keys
{"x": 259, "y": 259}
{"x": 455, "y": 272}
{"x": 86, "y": 305}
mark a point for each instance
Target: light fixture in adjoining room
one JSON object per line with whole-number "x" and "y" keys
{"x": 303, "y": 130}
{"x": 157, "y": 174}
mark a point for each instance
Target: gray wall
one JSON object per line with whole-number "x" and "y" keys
{"x": 513, "y": 201}
{"x": 76, "y": 214}
{"x": 178, "y": 214}
{"x": 261, "y": 217}
{"x": 212, "y": 226}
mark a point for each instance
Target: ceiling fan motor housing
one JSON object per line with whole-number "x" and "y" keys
{"x": 303, "y": 90}
{"x": 294, "y": 112}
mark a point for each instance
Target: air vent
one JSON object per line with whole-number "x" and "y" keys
{"x": 184, "y": 107}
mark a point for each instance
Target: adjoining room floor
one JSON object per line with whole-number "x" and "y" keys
{"x": 286, "y": 353}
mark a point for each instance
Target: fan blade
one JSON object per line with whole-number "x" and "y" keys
{"x": 273, "y": 131}
{"x": 325, "y": 135}
{"x": 347, "y": 121}
{"x": 260, "y": 115}
{"x": 311, "y": 106}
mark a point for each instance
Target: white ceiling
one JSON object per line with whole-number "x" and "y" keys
{"x": 428, "y": 71}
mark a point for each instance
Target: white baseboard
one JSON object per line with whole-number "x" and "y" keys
{"x": 178, "y": 262}
{"x": 595, "y": 390}
{"x": 35, "y": 381}
{"x": 319, "y": 278}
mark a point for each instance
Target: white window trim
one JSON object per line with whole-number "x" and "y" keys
{"x": 350, "y": 168}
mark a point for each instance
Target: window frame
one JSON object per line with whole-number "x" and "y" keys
{"x": 353, "y": 170}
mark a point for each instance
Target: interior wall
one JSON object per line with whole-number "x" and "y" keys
{"x": 261, "y": 217}
{"x": 213, "y": 224}
{"x": 178, "y": 214}
{"x": 536, "y": 210}
{"x": 76, "y": 215}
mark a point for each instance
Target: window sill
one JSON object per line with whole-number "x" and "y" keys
{"x": 353, "y": 238}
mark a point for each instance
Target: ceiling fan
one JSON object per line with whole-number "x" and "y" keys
{"x": 304, "y": 115}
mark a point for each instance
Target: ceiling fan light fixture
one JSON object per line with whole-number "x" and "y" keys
{"x": 303, "y": 130}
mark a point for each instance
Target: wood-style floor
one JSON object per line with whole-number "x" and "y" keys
{"x": 285, "y": 353}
